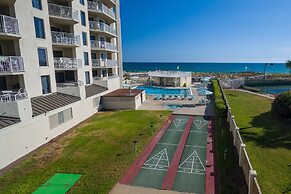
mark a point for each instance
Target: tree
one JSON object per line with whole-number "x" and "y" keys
{"x": 288, "y": 65}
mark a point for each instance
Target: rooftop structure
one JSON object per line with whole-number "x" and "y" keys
{"x": 170, "y": 78}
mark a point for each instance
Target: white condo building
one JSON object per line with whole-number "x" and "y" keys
{"x": 57, "y": 57}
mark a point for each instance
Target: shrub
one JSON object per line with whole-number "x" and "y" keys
{"x": 220, "y": 107}
{"x": 184, "y": 85}
{"x": 281, "y": 106}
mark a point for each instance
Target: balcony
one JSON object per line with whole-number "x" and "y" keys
{"x": 111, "y": 82}
{"x": 109, "y": 77}
{"x": 64, "y": 39}
{"x": 63, "y": 14}
{"x": 100, "y": 63}
{"x": 64, "y": 63}
{"x": 102, "y": 45}
{"x": 103, "y": 28}
{"x": 100, "y": 8}
{"x": 11, "y": 64}
{"x": 71, "y": 88}
{"x": 9, "y": 28}
{"x": 10, "y": 96}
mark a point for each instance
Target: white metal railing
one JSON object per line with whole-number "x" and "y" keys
{"x": 67, "y": 63}
{"x": 65, "y": 38}
{"x": 9, "y": 96}
{"x": 102, "y": 27}
{"x": 62, "y": 11}
{"x": 11, "y": 64}
{"x": 99, "y": 7}
{"x": 169, "y": 74}
{"x": 104, "y": 63}
{"x": 106, "y": 77}
{"x": 70, "y": 84}
{"x": 103, "y": 45}
{"x": 9, "y": 25}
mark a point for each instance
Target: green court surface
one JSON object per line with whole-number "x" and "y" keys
{"x": 156, "y": 166}
{"x": 58, "y": 184}
{"x": 191, "y": 172}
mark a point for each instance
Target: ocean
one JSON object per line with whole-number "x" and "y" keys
{"x": 206, "y": 67}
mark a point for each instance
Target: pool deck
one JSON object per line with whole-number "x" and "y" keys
{"x": 189, "y": 109}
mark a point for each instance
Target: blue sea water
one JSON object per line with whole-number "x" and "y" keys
{"x": 206, "y": 67}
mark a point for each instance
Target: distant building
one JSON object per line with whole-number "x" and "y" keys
{"x": 57, "y": 58}
{"x": 170, "y": 78}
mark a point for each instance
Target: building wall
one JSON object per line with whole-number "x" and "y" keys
{"x": 22, "y": 138}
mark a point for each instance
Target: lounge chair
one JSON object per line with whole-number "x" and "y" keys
{"x": 191, "y": 97}
{"x": 157, "y": 97}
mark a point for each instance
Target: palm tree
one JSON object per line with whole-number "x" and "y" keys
{"x": 288, "y": 65}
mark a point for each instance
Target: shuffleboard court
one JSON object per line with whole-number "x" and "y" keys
{"x": 192, "y": 167}
{"x": 156, "y": 165}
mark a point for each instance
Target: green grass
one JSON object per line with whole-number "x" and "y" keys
{"x": 268, "y": 140}
{"x": 100, "y": 149}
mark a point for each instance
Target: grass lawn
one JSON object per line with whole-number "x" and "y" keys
{"x": 268, "y": 140}
{"x": 100, "y": 149}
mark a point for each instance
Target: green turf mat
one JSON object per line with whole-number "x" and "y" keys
{"x": 58, "y": 184}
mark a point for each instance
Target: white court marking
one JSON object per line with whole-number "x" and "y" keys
{"x": 160, "y": 161}
{"x": 200, "y": 123}
{"x": 192, "y": 165}
{"x": 173, "y": 144}
{"x": 179, "y": 122}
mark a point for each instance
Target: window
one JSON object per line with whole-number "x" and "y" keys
{"x": 37, "y": 4}
{"x": 39, "y": 28}
{"x": 82, "y": 2}
{"x": 61, "y": 118}
{"x": 87, "y": 77}
{"x": 45, "y": 83}
{"x": 42, "y": 58}
{"x": 83, "y": 18}
{"x": 84, "y": 37}
{"x": 86, "y": 58}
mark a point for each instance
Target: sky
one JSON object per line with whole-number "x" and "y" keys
{"x": 206, "y": 30}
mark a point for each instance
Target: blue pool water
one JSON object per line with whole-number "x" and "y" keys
{"x": 152, "y": 90}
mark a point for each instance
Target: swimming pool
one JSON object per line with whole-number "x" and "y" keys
{"x": 152, "y": 90}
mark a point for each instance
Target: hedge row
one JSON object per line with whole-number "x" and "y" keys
{"x": 220, "y": 107}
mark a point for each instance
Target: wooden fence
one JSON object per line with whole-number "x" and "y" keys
{"x": 244, "y": 161}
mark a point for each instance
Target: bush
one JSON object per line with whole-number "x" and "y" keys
{"x": 220, "y": 107}
{"x": 281, "y": 106}
{"x": 184, "y": 85}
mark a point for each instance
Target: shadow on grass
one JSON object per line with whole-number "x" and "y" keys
{"x": 276, "y": 132}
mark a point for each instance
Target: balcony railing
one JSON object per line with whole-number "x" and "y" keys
{"x": 102, "y": 27}
{"x": 67, "y": 63}
{"x": 99, "y": 7}
{"x": 65, "y": 38}
{"x": 104, "y": 63}
{"x": 11, "y": 64}
{"x": 70, "y": 84}
{"x": 10, "y": 96}
{"x": 9, "y": 25}
{"x": 102, "y": 45}
{"x": 106, "y": 77}
{"x": 62, "y": 11}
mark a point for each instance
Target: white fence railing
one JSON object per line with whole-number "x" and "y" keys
{"x": 70, "y": 84}
{"x": 67, "y": 63}
{"x": 62, "y": 11}
{"x": 106, "y": 77}
{"x": 9, "y": 25}
{"x": 11, "y": 64}
{"x": 159, "y": 73}
{"x": 244, "y": 161}
{"x": 102, "y": 45}
{"x": 13, "y": 96}
{"x": 99, "y": 7}
{"x": 65, "y": 38}
{"x": 104, "y": 63}
{"x": 102, "y": 27}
